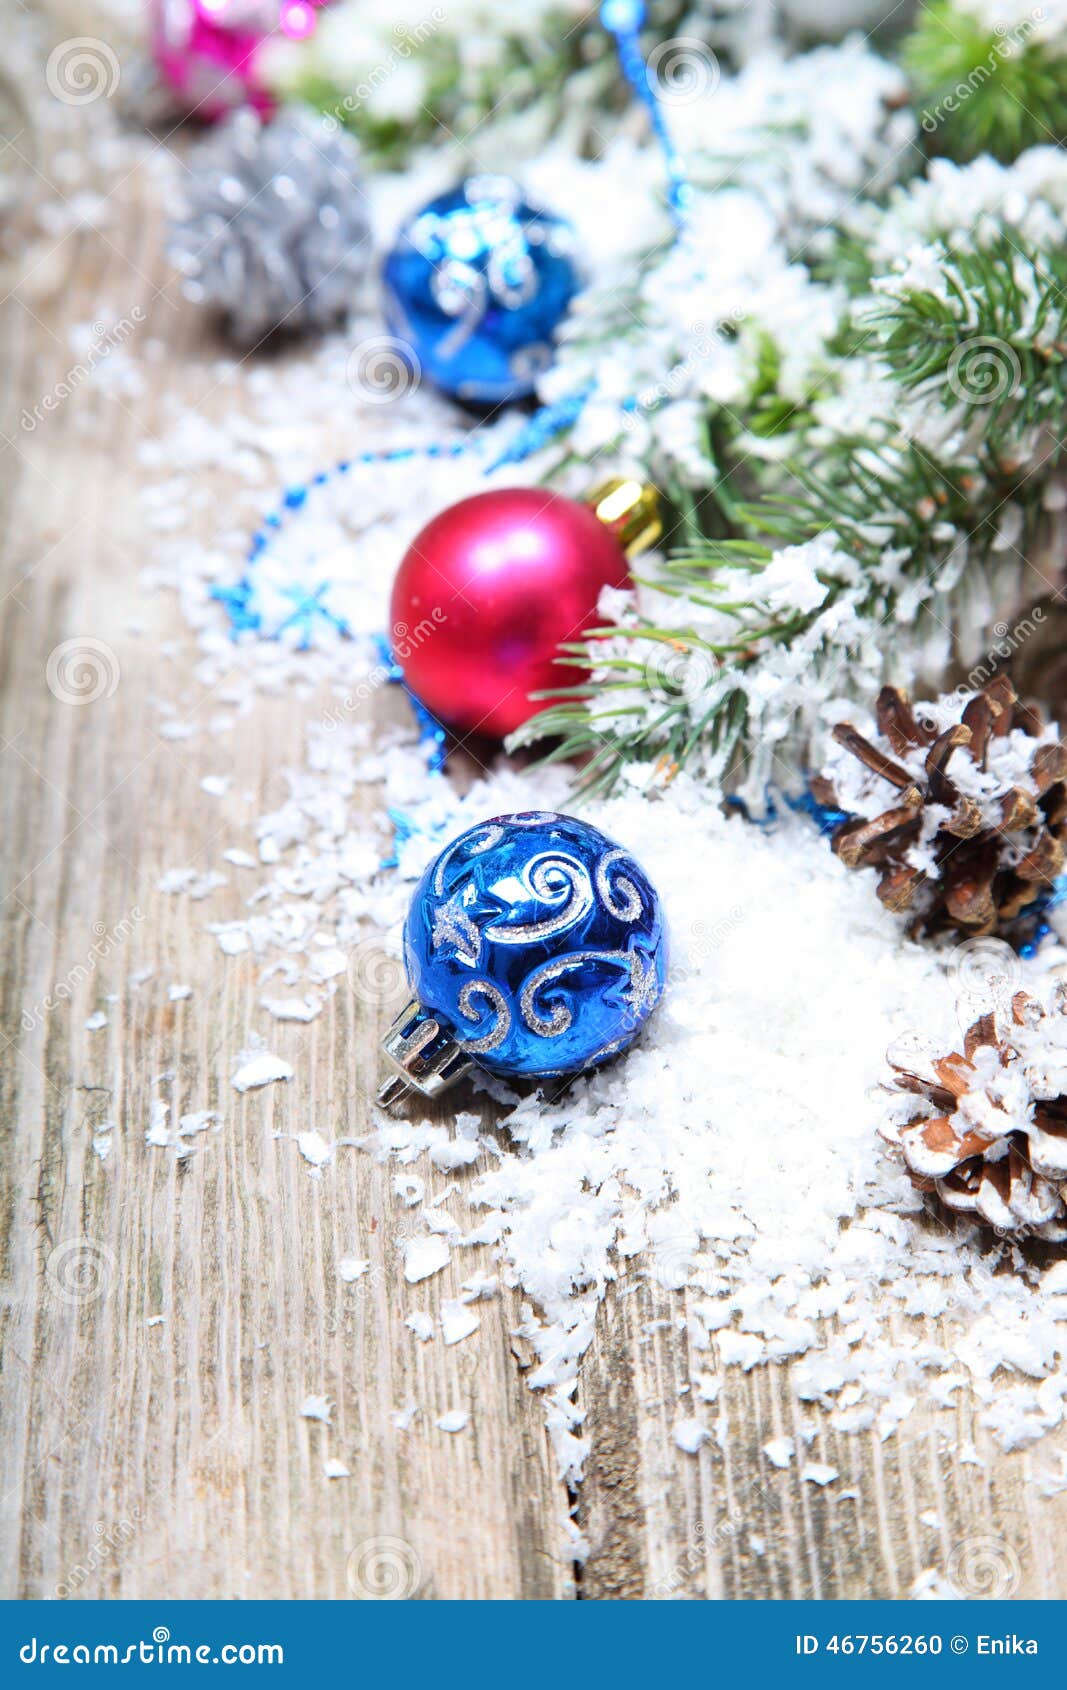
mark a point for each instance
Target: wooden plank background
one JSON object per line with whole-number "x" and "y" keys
{"x": 170, "y": 1458}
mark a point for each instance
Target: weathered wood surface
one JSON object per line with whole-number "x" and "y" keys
{"x": 170, "y": 1459}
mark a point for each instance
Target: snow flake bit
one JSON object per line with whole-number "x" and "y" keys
{"x": 818, "y": 1473}
{"x": 423, "y": 1257}
{"x": 779, "y": 1451}
{"x": 315, "y": 1150}
{"x": 259, "y": 1068}
{"x": 457, "y": 1321}
{"x": 690, "y": 1435}
{"x": 454, "y": 1421}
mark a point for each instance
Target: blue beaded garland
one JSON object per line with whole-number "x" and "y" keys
{"x": 537, "y": 943}
{"x": 477, "y": 284}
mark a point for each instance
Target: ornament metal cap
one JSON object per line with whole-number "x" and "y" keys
{"x": 631, "y": 510}
{"x": 424, "y": 1057}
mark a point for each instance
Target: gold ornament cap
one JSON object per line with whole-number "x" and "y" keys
{"x": 631, "y": 510}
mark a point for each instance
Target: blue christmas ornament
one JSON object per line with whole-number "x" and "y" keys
{"x": 477, "y": 285}
{"x": 534, "y": 946}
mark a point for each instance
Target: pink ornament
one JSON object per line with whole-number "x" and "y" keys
{"x": 208, "y": 52}
{"x": 488, "y": 592}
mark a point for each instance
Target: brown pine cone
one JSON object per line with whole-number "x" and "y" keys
{"x": 987, "y": 1131}
{"x": 961, "y": 806}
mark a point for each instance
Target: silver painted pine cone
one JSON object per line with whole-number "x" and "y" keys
{"x": 275, "y": 233}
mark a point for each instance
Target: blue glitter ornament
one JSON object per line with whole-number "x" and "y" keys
{"x": 477, "y": 285}
{"x": 534, "y": 946}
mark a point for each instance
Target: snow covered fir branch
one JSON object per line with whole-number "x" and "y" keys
{"x": 408, "y": 74}
{"x": 989, "y": 76}
{"x": 412, "y": 74}
{"x": 845, "y": 374}
{"x": 855, "y": 424}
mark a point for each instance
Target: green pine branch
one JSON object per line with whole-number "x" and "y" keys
{"x": 874, "y": 500}
{"x": 562, "y": 68}
{"x": 993, "y": 340}
{"x": 982, "y": 89}
{"x": 903, "y": 520}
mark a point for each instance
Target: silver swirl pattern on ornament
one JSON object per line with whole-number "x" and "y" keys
{"x": 560, "y": 1017}
{"x": 498, "y": 1032}
{"x": 545, "y": 879}
{"x": 491, "y": 835}
{"x": 622, "y": 900}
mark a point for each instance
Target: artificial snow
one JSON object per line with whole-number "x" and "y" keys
{"x": 733, "y": 1157}
{"x": 734, "y": 1153}
{"x": 290, "y": 1009}
{"x": 689, "y": 1435}
{"x": 196, "y": 1121}
{"x": 157, "y": 1133}
{"x": 818, "y": 1473}
{"x": 423, "y": 1257}
{"x": 731, "y": 1160}
{"x": 779, "y": 1451}
{"x": 260, "y": 1068}
{"x": 454, "y": 1421}
{"x": 478, "y": 1286}
{"x": 315, "y": 1150}
{"x": 458, "y": 1321}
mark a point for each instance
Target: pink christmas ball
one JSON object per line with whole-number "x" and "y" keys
{"x": 486, "y": 595}
{"x": 208, "y": 52}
